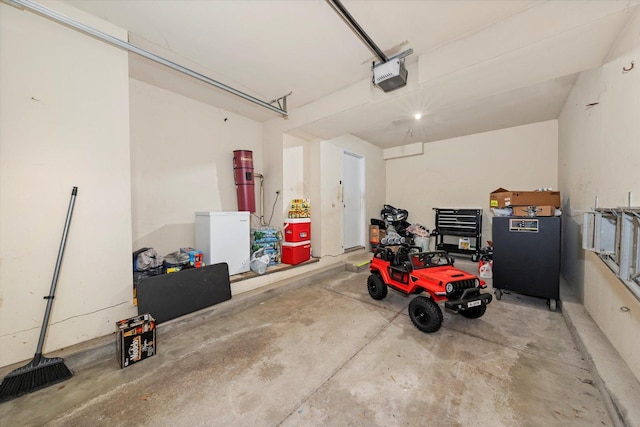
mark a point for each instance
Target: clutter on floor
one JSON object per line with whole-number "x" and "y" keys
{"x": 148, "y": 263}
{"x": 393, "y": 229}
{"x": 195, "y": 278}
{"x": 289, "y": 245}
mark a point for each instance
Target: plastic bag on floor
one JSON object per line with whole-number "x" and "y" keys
{"x": 259, "y": 261}
{"x": 146, "y": 259}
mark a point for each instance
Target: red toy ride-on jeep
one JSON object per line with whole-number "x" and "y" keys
{"x": 410, "y": 271}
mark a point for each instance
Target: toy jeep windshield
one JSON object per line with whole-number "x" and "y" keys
{"x": 410, "y": 271}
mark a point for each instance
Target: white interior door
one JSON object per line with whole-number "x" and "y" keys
{"x": 353, "y": 200}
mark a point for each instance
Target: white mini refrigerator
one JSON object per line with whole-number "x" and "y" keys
{"x": 224, "y": 237}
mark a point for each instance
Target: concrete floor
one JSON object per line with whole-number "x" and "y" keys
{"x": 327, "y": 354}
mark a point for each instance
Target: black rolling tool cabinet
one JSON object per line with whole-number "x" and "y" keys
{"x": 526, "y": 257}
{"x": 457, "y": 224}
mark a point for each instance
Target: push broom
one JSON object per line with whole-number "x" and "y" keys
{"x": 41, "y": 372}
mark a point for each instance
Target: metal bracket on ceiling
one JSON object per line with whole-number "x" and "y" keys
{"x": 402, "y": 55}
{"x": 65, "y": 20}
{"x": 399, "y": 56}
{"x": 282, "y": 102}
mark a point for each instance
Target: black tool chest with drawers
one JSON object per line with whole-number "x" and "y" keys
{"x": 462, "y": 228}
{"x": 526, "y": 257}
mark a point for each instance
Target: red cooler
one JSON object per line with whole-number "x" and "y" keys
{"x": 296, "y": 253}
{"x": 297, "y": 230}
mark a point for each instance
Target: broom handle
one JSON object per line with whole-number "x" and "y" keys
{"x": 49, "y": 298}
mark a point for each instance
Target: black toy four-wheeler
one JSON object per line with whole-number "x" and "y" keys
{"x": 410, "y": 271}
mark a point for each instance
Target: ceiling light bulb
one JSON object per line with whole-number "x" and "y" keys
{"x": 418, "y": 116}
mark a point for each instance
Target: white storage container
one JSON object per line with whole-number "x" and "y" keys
{"x": 224, "y": 237}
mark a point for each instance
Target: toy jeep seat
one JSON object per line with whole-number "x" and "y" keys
{"x": 384, "y": 253}
{"x": 404, "y": 254}
{"x": 402, "y": 258}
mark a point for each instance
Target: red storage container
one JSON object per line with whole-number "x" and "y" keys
{"x": 295, "y": 253}
{"x": 297, "y": 229}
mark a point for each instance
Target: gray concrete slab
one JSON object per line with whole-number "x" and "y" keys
{"x": 513, "y": 366}
{"x": 618, "y": 386}
{"x": 327, "y": 354}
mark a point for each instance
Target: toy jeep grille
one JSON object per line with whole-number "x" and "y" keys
{"x": 461, "y": 285}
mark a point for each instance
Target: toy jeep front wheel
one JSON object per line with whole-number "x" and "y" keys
{"x": 425, "y": 314}
{"x": 376, "y": 286}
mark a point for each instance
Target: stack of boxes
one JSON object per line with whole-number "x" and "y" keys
{"x": 195, "y": 257}
{"x": 526, "y": 203}
{"x": 268, "y": 238}
{"x": 296, "y": 247}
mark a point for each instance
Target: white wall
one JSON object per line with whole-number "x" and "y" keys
{"x": 330, "y": 224}
{"x": 461, "y": 172}
{"x": 273, "y": 145}
{"x": 329, "y": 175}
{"x": 182, "y": 162}
{"x": 64, "y": 122}
{"x": 598, "y": 156}
{"x": 295, "y": 173}
{"x": 315, "y": 194}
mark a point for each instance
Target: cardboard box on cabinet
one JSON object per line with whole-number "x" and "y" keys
{"x": 501, "y": 198}
{"x": 539, "y": 210}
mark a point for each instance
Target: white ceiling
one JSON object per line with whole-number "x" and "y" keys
{"x": 478, "y": 65}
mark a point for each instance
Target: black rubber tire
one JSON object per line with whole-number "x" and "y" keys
{"x": 425, "y": 314}
{"x": 376, "y": 286}
{"x": 474, "y": 312}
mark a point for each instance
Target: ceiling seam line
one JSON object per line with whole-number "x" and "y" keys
{"x": 64, "y": 20}
{"x": 584, "y": 24}
{"x": 538, "y": 42}
{"x": 483, "y": 28}
{"x": 195, "y": 64}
